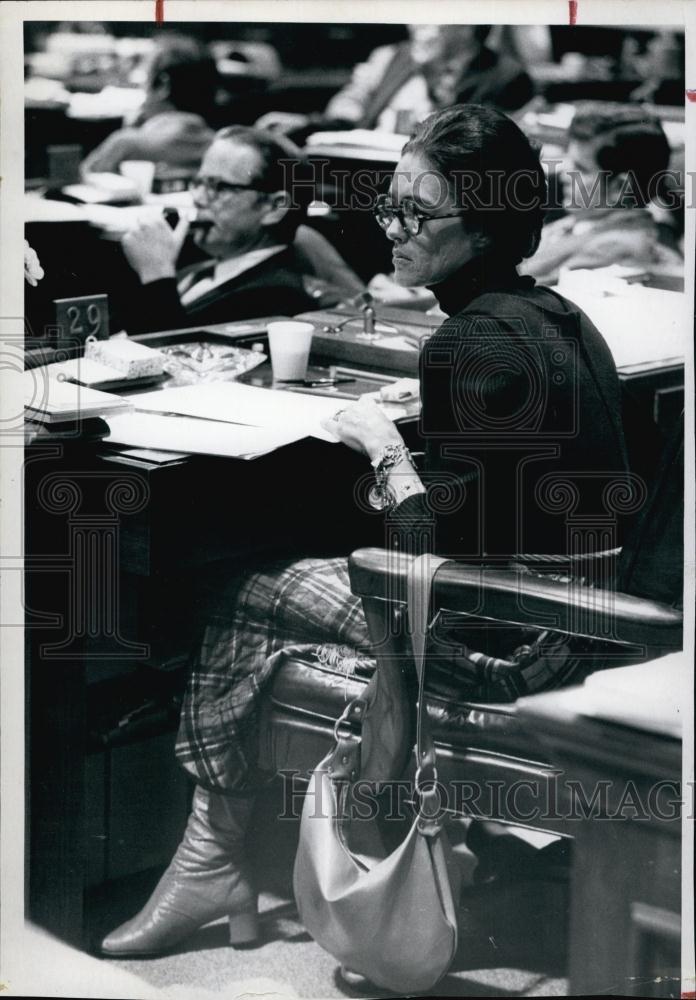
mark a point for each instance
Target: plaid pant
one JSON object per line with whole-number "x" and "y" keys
{"x": 280, "y": 608}
{"x": 306, "y": 608}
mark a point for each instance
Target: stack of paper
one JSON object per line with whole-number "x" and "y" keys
{"x": 50, "y": 401}
{"x": 232, "y": 419}
{"x": 228, "y": 419}
{"x": 197, "y": 437}
{"x": 236, "y": 403}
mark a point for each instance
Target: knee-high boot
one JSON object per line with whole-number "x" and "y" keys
{"x": 207, "y": 879}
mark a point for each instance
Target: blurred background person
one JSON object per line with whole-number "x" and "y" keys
{"x": 171, "y": 126}
{"x": 400, "y": 84}
{"x": 468, "y": 71}
{"x": 617, "y": 155}
{"x": 661, "y": 68}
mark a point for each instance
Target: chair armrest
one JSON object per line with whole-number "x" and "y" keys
{"x": 513, "y": 595}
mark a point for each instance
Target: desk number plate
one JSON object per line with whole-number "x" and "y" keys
{"x": 77, "y": 319}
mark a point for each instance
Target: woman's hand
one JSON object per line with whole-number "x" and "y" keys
{"x": 152, "y": 247}
{"x": 363, "y": 427}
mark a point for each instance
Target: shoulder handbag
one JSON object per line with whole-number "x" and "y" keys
{"x": 390, "y": 917}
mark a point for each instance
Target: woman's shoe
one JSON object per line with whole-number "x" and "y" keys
{"x": 207, "y": 879}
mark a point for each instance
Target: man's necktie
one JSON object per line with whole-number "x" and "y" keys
{"x": 197, "y": 282}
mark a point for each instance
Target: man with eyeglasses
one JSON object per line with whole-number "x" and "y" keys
{"x": 247, "y": 217}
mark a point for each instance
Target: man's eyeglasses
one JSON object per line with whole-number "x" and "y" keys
{"x": 215, "y": 186}
{"x": 410, "y": 217}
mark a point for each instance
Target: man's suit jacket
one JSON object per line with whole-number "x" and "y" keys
{"x": 273, "y": 287}
{"x": 498, "y": 80}
{"x": 491, "y": 79}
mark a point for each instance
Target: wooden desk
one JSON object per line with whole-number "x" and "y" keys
{"x": 626, "y": 880}
{"x": 116, "y": 562}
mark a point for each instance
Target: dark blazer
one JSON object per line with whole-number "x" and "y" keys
{"x": 273, "y": 287}
{"x": 498, "y": 80}
{"x": 521, "y": 422}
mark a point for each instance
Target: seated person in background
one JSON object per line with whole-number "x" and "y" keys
{"x": 171, "y": 126}
{"x": 468, "y": 71}
{"x": 243, "y": 198}
{"x": 661, "y": 69}
{"x": 615, "y": 154}
{"x": 400, "y": 84}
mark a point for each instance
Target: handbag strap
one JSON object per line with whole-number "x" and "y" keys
{"x": 420, "y": 584}
{"x": 343, "y": 762}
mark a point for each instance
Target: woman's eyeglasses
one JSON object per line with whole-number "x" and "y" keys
{"x": 213, "y": 187}
{"x": 410, "y": 217}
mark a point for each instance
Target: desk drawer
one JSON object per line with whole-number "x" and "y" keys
{"x": 137, "y": 801}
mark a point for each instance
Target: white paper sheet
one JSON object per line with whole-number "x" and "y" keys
{"x": 55, "y": 399}
{"x": 362, "y": 137}
{"x": 198, "y": 437}
{"x": 640, "y": 325}
{"x": 296, "y": 413}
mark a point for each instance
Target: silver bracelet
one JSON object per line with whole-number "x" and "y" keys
{"x": 381, "y": 496}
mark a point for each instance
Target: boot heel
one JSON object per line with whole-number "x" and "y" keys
{"x": 244, "y": 928}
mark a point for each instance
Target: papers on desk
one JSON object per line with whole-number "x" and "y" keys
{"x": 49, "y": 401}
{"x": 224, "y": 418}
{"x": 641, "y": 325}
{"x": 230, "y": 419}
{"x": 361, "y": 138}
{"x": 109, "y": 102}
{"x": 296, "y": 415}
{"x": 38, "y": 209}
{"x": 650, "y": 696}
{"x": 197, "y": 437}
{"x": 112, "y": 219}
{"x": 559, "y": 117}
{"x": 104, "y": 188}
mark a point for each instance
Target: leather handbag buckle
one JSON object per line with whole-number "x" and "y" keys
{"x": 353, "y": 713}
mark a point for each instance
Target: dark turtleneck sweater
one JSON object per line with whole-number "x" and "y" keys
{"x": 521, "y": 424}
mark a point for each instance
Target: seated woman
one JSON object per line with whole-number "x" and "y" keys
{"x": 519, "y": 392}
{"x": 616, "y": 157}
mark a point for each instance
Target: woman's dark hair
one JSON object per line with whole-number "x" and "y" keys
{"x": 282, "y": 168}
{"x": 628, "y": 140}
{"x": 492, "y": 170}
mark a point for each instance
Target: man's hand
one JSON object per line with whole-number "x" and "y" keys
{"x": 363, "y": 427}
{"x": 152, "y": 248}
{"x": 282, "y": 121}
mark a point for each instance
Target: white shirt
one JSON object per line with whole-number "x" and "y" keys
{"x": 190, "y": 290}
